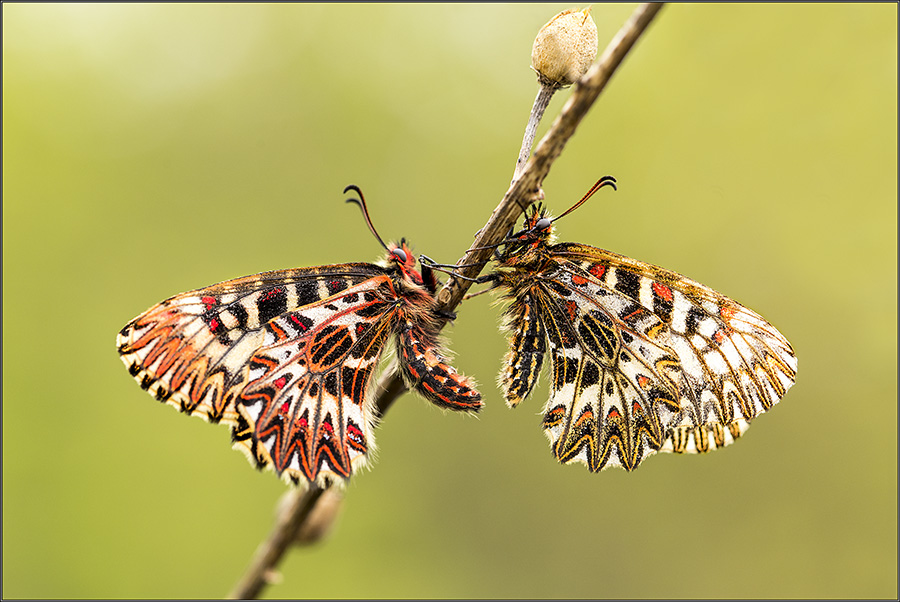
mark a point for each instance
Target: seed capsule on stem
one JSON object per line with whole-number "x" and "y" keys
{"x": 565, "y": 48}
{"x": 563, "y": 51}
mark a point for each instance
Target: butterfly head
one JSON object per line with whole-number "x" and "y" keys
{"x": 528, "y": 244}
{"x": 400, "y": 257}
{"x": 538, "y": 226}
{"x": 536, "y": 233}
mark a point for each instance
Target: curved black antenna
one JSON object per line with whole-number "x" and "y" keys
{"x": 361, "y": 201}
{"x": 604, "y": 181}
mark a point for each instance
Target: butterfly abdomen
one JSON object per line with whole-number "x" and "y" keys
{"x": 527, "y": 341}
{"x": 426, "y": 370}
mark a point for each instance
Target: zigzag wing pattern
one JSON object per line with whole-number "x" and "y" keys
{"x": 733, "y": 364}
{"x": 612, "y": 398}
{"x": 305, "y": 409}
{"x": 643, "y": 359}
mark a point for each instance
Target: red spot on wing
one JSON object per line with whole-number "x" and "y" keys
{"x": 271, "y": 293}
{"x": 719, "y": 337}
{"x": 355, "y": 438}
{"x": 300, "y": 325}
{"x": 727, "y": 312}
{"x": 633, "y": 315}
{"x": 643, "y": 381}
{"x": 613, "y": 414}
{"x": 214, "y": 324}
{"x": 585, "y": 417}
{"x": 285, "y": 407}
{"x": 662, "y": 291}
{"x": 208, "y": 301}
{"x": 572, "y": 308}
{"x": 280, "y": 382}
{"x": 579, "y": 280}
{"x": 597, "y": 270}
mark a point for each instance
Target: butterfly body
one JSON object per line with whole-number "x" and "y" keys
{"x": 642, "y": 359}
{"x": 287, "y": 358}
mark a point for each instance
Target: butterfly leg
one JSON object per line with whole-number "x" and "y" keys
{"x": 427, "y": 261}
{"x": 450, "y": 315}
{"x": 492, "y": 277}
{"x": 429, "y": 264}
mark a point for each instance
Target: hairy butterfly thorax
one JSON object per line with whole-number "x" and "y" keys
{"x": 641, "y": 359}
{"x": 286, "y": 358}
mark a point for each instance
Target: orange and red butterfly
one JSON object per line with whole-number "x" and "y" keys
{"x": 287, "y": 357}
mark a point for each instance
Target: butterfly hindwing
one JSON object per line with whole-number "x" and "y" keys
{"x": 306, "y": 399}
{"x": 612, "y": 391}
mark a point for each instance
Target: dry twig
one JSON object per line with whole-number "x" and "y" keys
{"x": 523, "y": 191}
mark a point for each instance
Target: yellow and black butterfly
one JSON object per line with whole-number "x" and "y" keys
{"x": 642, "y": 359}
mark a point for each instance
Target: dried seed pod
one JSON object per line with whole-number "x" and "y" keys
{"x": 565, "y": 48}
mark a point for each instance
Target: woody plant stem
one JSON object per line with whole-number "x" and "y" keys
{"x": 524, "y": 190}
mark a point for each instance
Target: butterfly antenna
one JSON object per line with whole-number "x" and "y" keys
{"x": 604, "y": 181}
{"x": 361, "y": 201}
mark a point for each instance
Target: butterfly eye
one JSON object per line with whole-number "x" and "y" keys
{"x": 542, "y": 224}
{"x": 400, "y": 254}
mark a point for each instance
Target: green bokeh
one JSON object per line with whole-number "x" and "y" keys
{"x": 152, "y": 149}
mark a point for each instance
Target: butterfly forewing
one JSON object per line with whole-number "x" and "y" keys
{"x": 190, "y": 348}
{"x": 641, "y": 359}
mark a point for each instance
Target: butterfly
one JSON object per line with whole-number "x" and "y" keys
{"x": 287, "y": 357}
{"x": 642, "y": 359}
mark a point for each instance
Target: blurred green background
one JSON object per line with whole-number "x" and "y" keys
{"x": 152, "y": 149}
